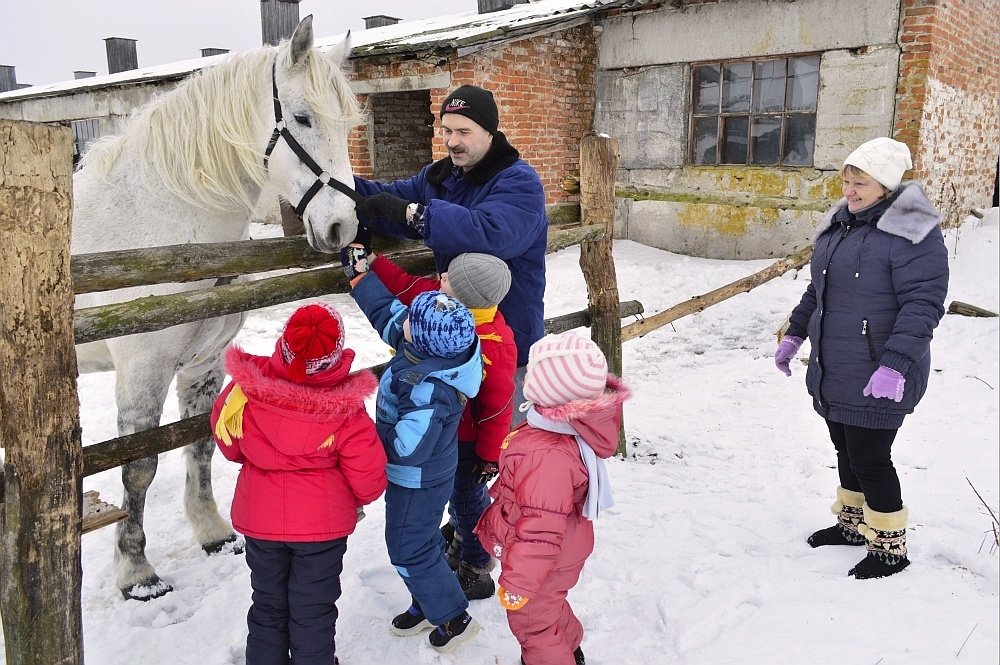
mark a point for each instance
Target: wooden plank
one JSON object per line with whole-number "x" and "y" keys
{"x": 97, "y": 513}
{"x": 40, "y": 570}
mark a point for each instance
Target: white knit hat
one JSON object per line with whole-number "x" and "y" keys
{"x": 883, "y": 159}
{"x": 564, "y": 368}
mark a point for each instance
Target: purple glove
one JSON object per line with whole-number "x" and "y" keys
{"x": 886, "y": 382}
{"x": 786, "y": 350}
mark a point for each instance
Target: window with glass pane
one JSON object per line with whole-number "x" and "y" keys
{"x": 760, "y": 112}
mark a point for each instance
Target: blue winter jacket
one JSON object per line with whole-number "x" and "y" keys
{"x": 497, "y": 208}
{"x": 879, "y": 281}
{"x": 420, "y": 399}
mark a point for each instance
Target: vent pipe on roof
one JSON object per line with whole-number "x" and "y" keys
{"x": 83, "y": 74}
{"x": 121, "y": 54}
{"x": 8, "y": 78}
{"x": 487, "y": 6}
{"x": 379, "y": 21}
{"x": 209, "y": 52}
{"x": 278, "y": 19}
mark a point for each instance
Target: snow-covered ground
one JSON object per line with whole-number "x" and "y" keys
{"x": 703, "y": 560}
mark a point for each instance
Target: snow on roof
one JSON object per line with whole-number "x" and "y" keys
{"x": 452, "y": 31}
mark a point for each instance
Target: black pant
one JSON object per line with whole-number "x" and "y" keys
{"x": 864, "y": 461}
{"x": 295, "y": 590}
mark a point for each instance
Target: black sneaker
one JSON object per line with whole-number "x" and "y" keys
{"x": 410, "y": 622}
{"x": 475, "y": 585}
{"x": 451, "y": 633}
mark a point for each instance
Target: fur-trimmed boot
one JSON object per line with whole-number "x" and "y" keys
{"x": 886, "y": 534}
{"x": 848, "y": 510}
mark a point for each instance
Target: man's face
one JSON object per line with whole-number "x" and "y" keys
{"x": 466, "y": 141}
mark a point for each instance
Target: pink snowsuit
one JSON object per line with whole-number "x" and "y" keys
{"x": 536, "y": 527}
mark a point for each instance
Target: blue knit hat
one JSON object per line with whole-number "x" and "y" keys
{"x": 440, "y": 325}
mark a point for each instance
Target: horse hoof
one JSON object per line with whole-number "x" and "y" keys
{"x": 231, "y": 545}
{"x": 148, "y": 589}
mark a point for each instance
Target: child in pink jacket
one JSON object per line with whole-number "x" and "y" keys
{"x": 310, "y": 457}
{"x": 552, "y": 484}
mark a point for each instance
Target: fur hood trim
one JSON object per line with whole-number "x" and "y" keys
{"x": 255, "y": 377}
{"x": 911, "y": 215}
{"x": 615, "y": 395}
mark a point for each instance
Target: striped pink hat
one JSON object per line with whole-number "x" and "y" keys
{"x": 564, "y": 368}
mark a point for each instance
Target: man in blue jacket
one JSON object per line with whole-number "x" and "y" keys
{"x": 482, "y": 197}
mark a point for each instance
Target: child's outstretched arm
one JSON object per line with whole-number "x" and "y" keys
{"x": 383, "y": 311}
{"x": 400, "y": 283}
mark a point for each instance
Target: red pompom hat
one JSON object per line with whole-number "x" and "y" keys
{"x": 313, "y": 340}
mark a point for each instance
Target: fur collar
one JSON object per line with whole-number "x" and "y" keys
{"x": 500, "y": 156}
{"x": 259, "y": 381}
{"x": 616, "y": 394}
{"x": 911, "y": 215}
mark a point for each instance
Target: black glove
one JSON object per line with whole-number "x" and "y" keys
{"x": 354, "y": 257}
{"x": 485, "y": 471}
{"x": 385, "y": 205}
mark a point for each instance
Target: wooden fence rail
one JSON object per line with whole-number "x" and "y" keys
{"x": 158, "y": 312}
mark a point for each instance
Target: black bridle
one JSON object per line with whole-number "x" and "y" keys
{"x": 322, "y": 177}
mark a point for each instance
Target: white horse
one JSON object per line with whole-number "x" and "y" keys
{"x": 190, "y": 167}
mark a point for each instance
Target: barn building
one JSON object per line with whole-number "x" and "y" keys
{"x": 733, "y": 116}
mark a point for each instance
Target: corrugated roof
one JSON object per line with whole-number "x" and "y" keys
{"x": 453, "y": 31}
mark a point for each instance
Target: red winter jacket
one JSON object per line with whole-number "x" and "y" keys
{"x": 536, "y": 521}
{"x": 292, "y": 487}
{"x": 486, "y": 419}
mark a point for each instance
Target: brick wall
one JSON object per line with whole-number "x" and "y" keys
{"x": 947, "y": 99}
{"x": 544, "y": 87}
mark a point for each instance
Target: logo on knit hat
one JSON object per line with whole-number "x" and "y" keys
{"x": 454, "y": 105}
{"x": 440, "y": 325}
{"x": 312, "y": 341}
{"x": 564, "y": 368}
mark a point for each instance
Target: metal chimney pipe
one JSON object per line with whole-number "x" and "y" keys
{"x": 278, "y": 19}
{"x": 8, "y": 78}
{"x": 121, "y": 54}
{"x": 208, "y": 52}
{"x": 83, "y": 74}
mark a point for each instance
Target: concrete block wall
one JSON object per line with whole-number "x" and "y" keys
{"x": 948, "y": 100}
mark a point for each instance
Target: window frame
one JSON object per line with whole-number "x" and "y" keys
{"x": 750, "y": 114}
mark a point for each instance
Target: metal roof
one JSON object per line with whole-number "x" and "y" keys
{"x": 468, "y": 30}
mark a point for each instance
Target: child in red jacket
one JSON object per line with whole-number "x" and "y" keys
{"x": 480, "y": 282}
{"x": 311, "y": 458}
{"x": 552, "y": 484}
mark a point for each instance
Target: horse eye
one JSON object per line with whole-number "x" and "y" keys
{"x": 302, "y": 120}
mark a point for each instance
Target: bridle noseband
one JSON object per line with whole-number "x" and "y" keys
{"x": 281, "y": 131}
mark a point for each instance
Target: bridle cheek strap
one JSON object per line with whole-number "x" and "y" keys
{"x": 322, "y": 177}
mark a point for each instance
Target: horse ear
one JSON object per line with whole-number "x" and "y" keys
{"x": 302, "y": 40}
{"x": 341, "y": 52}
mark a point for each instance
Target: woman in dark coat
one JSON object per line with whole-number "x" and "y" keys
{"x": 879, "y": 280}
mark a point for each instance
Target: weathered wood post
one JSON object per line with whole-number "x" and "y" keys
{"x": 40, "y": 569}
{"x": 599, "y": 157}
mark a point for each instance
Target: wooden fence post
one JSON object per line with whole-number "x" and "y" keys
{"x": 40, "y": 568}
{"x": 599, "y": 157}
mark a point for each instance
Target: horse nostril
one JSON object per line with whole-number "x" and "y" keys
{"x": 336, "y": 236}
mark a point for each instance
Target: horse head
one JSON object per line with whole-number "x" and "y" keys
{"x": 307, "y": 151}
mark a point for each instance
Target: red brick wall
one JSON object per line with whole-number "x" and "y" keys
{"x": 947, "y": 99}
{"x": 544, "y": 87}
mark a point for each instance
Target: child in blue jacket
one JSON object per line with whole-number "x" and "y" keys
{"x": 437, "y": 367}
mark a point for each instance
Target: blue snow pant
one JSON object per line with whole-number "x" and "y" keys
{"x": 468, "y": 502}
{"x": 295, "y": 591}
{"x": 413, "y": 538}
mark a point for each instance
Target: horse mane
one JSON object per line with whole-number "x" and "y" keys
{"x": 199, "y": 141}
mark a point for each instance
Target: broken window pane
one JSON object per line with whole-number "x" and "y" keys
{"x": 800, "y": 137}
{"x": 734, "y": 139}
{"x": 706, "y": 140}
{"x": 803, "y": 84}
{"x": 769, "y": 86}
{"x": 706, "y": 89}
{"x": 736, "y": 80}
{"x": 766, "y": 138}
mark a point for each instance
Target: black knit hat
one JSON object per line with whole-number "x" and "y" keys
{"x": 474, "y": 103}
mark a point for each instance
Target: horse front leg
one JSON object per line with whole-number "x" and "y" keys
{"x": 197, "y": 389}
{"x": 140, "y": 403}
